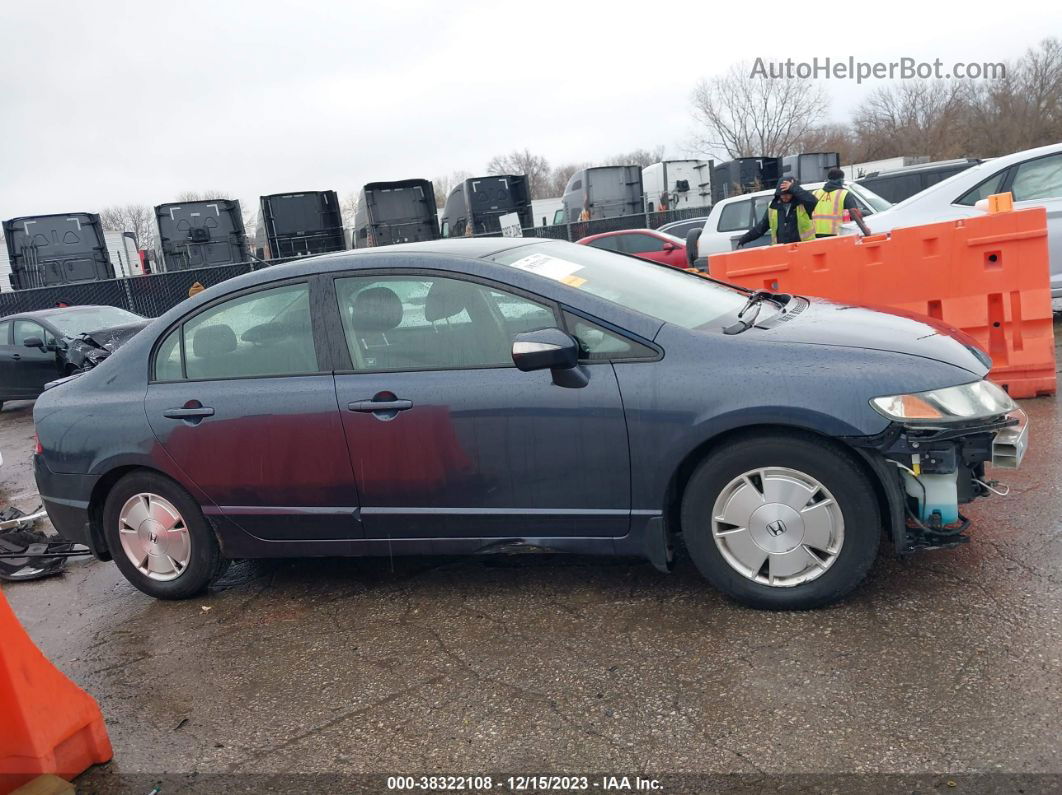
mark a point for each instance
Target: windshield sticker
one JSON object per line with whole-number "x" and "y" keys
{"x": 559, "y": 270}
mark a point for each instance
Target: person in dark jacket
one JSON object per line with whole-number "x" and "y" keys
{"x": 788, "y": 216}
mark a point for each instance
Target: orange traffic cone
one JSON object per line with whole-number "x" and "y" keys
{"x": 47, "y": 723}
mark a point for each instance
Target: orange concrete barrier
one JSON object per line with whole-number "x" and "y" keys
{"x": 988, "y": 276}
{"x": 47, "y": 723}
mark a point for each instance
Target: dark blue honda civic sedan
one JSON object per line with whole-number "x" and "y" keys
{"x": 495, "y": 395}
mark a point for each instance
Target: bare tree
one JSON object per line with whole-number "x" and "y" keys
{"x": 1022, "y": 108}
{"x": 637, "y": 157}
{"x": 558, "y": 179}
{"x": 831, "y": 137}
{"x": 348, "y": 207}
{"x": 534, "y": 166}
{"x": 200, "y": 195}
{"x": 444, "y": 184}
{"x": 136, "y": 218}
{"x": 915, "y": 117}
{"x": 743, "y": 115}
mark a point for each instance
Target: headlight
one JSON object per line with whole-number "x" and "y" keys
{"x": 956, "y": 403}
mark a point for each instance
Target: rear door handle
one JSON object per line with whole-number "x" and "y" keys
{"x": 16, "y": 356}
{"x": 185, "y": 414}
{"x": 380, "y": 405}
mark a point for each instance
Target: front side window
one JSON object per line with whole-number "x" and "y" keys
{"x": 734, "y": 217}
{"x": 641, "y": 244}
{"x": 432, "y": 323}
{"x": 1038, "y": 179}
{"x": 984, "y": 190}
{"x": 266, "y": 333}
{"x": 24, "y": 329}
{"x": 607, "y": 243}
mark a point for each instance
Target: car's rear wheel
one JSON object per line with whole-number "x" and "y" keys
{"x": 159, "y": 538}
{"x": 785, "y": 522}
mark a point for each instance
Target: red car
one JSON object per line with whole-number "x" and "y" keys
{"x": 645, "y": 243}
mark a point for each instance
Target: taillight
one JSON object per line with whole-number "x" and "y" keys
{"x": 37, "y": 445}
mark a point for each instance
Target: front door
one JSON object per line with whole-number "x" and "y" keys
{"x": 34, "y": 367}
{"x": 240, "y": 403}
{"x": 449, "y": 440}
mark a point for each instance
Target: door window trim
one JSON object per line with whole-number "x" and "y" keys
{"x": 343, "y": 364}
{"x": 619, "y": 332}
{"x": 322, "y": 358}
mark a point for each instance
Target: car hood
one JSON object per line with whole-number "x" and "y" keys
{"x": 821, "y": 322}
{"x": 115, "y": 336}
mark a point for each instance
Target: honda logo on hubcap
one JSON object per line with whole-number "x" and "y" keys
{"x": 776, "y": 528}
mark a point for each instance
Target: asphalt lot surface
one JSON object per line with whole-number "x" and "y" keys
{"x": 945, "y": 662}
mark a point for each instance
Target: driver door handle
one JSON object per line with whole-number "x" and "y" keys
{"x": 188, "y": 413}
{"x": 380, "y": 405}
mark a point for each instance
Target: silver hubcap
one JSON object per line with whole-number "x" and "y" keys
{"x": 777, "y": 526}
{"x": 154, "y": 536}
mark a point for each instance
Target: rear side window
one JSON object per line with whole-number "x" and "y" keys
{"x": 267, "y": 333}
{"x": 735, "y": 217}
{"x": 5, "y": 333}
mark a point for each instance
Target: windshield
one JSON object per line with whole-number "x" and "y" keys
{"x": 78, "y": 320}
{"x": 876, "y": 202}
{"x": 659, "y": 291}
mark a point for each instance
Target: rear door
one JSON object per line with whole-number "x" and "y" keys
{"x": 244, "y": 405}
{"x": 448, "y": 439}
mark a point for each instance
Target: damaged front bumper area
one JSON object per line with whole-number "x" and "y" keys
{"x": 929, "y": 472}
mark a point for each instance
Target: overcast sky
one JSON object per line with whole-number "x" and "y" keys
{"x": 109, "y": 102}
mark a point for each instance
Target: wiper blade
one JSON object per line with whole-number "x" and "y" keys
{"x": 754, "y": 302}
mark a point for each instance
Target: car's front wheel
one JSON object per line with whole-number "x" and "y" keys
{"x": 159, "y": 538}
{"x": 785, "y": 522}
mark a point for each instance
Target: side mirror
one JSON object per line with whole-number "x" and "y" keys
{"x": 669, "y": 247}
{"x": 692, "y": 237}
{"x": 34, "y": 342}
{"x": 545, "y": 349}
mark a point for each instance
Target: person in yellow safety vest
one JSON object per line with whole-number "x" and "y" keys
{"x": 788, "y": 216}
{"x": 833, "y": 200}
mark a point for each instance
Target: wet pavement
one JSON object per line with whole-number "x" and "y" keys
{"x": 945, "y": 662}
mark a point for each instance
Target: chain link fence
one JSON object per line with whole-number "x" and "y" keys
{"x": 153, "y": 294}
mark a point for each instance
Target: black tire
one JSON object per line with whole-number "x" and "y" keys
{"x": 835, "y": 469}
{"x": 205, "y": 562}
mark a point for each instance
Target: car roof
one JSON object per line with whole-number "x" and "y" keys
{"x": 936, "y": 164}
